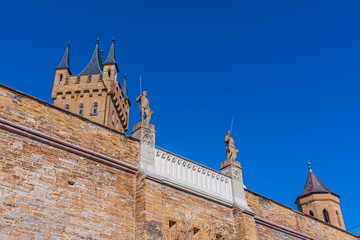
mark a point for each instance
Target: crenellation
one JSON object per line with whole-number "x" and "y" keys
{"x": 81, "y": 90}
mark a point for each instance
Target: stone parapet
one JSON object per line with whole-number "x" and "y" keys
{"x": 184, "y": 173}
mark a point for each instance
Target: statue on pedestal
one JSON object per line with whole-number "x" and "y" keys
{"x": 144, "y": 108}
{"x": 231, "y": 150}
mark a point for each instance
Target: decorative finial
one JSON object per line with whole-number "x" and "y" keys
{"x": 113, "y": 40}
{"x": 125, "y": 75}
{"x": 68, "y": 44}
{"x": 102, "y": 52}
{"x": 97, "y": 40}
{"x": 309, "y": 164}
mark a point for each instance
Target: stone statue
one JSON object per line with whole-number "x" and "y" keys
{"x": 231, "y": 150}
{"x": 144, "y": 107}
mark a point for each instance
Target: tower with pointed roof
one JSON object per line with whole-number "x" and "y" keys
{"x": 95, "y": 93}
{"x": 318, "y": 201}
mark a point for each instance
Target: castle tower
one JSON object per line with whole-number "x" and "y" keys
{"x": 318, "y": 201}
{"x": 95, "y": 93}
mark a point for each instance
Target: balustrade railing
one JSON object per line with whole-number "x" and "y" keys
{"x": 193, "y": 175}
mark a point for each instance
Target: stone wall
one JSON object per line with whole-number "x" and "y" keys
{"x": 159, "y": 206}
{"x": 55, "y": 122}
{"x": 277, "y": 221}
{"x": 62, "y": 176}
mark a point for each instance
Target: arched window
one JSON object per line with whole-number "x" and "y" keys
{"x": 60, "y": 79}
{"x": 326, "y": 216}
{"x": 67, "y": 107}
{"x": 81, "y": 109}
{"x": 311, "y": 213}
{"x": 113, "y": 117}
{"x": 95, "y": 109}
{"x": 117, "y": 124}
{"x": 109, "y": 74}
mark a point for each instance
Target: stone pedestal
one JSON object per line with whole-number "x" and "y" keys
{"x": 148, "y": 192}
{"x": 146, "y": 134}
{"x": 233, "y": 169}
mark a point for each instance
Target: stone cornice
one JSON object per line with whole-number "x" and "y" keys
{"x": 280, "y": 228}
{"x": 41, "y": 137}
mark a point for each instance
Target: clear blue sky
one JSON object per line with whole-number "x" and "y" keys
{"x": 288, "y": 70}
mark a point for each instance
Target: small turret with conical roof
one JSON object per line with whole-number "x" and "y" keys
{"x": 91, "y": 95}
{"x": 318, "y": 201}
{"x": 65, "y": 62}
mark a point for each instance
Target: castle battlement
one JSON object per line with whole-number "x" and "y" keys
{"x": 95, "y": 92}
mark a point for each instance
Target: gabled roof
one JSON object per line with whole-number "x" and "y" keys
{"x": 95, "y": 64}
{"x": 314, "y": 185}
{"x": 65, "y": 62}
{"x": 111, "y": 57}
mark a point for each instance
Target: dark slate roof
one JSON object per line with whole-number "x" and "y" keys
{"x": 111, "y": 57}
{"x": 95, "y": 64}
{"x": 314, "y": 185}
{"x": 65, "y": 60}
{"x": 124, "y": 88}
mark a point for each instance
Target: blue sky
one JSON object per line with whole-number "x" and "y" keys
{"x": 288, "y": 71}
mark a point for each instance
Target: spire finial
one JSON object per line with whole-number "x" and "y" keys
{"x": 113, "y": 40}
{"x": 66, "y": 59}
{"x": 124, "y": 87}
{"x": 95, "y": 65}
{"x": 111, "y": 57}
{"x": 309, "y": 164}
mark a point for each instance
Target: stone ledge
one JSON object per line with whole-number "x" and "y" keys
{"x": 38, "y": 136}
{"x": 280, "y": 228}
{"x": 190, "y": 190}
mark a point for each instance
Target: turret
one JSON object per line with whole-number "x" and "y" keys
{"x": 318, "y": 201}
{"x": 110, "y": 67}
{"x": 62, "y": 72}
{"x": 95, "y": 93}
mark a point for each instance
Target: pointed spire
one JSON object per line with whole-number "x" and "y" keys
{"x": 111, "y": 57}
{"x": 95, "y": 64}
{"x": 313, "y": 184}
{"x": 124, "y": 87}
{"x": 66, "y": 59}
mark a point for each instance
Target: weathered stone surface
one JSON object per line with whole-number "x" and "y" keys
{"x": 52, "y": 192}
{"x": 289, "y": 218}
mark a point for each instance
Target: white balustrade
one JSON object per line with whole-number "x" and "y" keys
{"x": 192, "y": 175}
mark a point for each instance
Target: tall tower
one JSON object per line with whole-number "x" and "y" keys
{"x": 95, "y": 93}
{"x": 318, "y": 201}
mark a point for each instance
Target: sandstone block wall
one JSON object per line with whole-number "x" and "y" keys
{"x": 58, "y": 123}
{"x": 189, "y": 212}
{"x": 65, "y": 177}
{"x": 284, "y": 216}
{"x": 48, "y": 193}
{"x": 51, "y": 192}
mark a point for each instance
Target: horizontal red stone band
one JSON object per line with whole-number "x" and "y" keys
{"x": 280, "y": 228}
{"x": 38, "y": 136}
